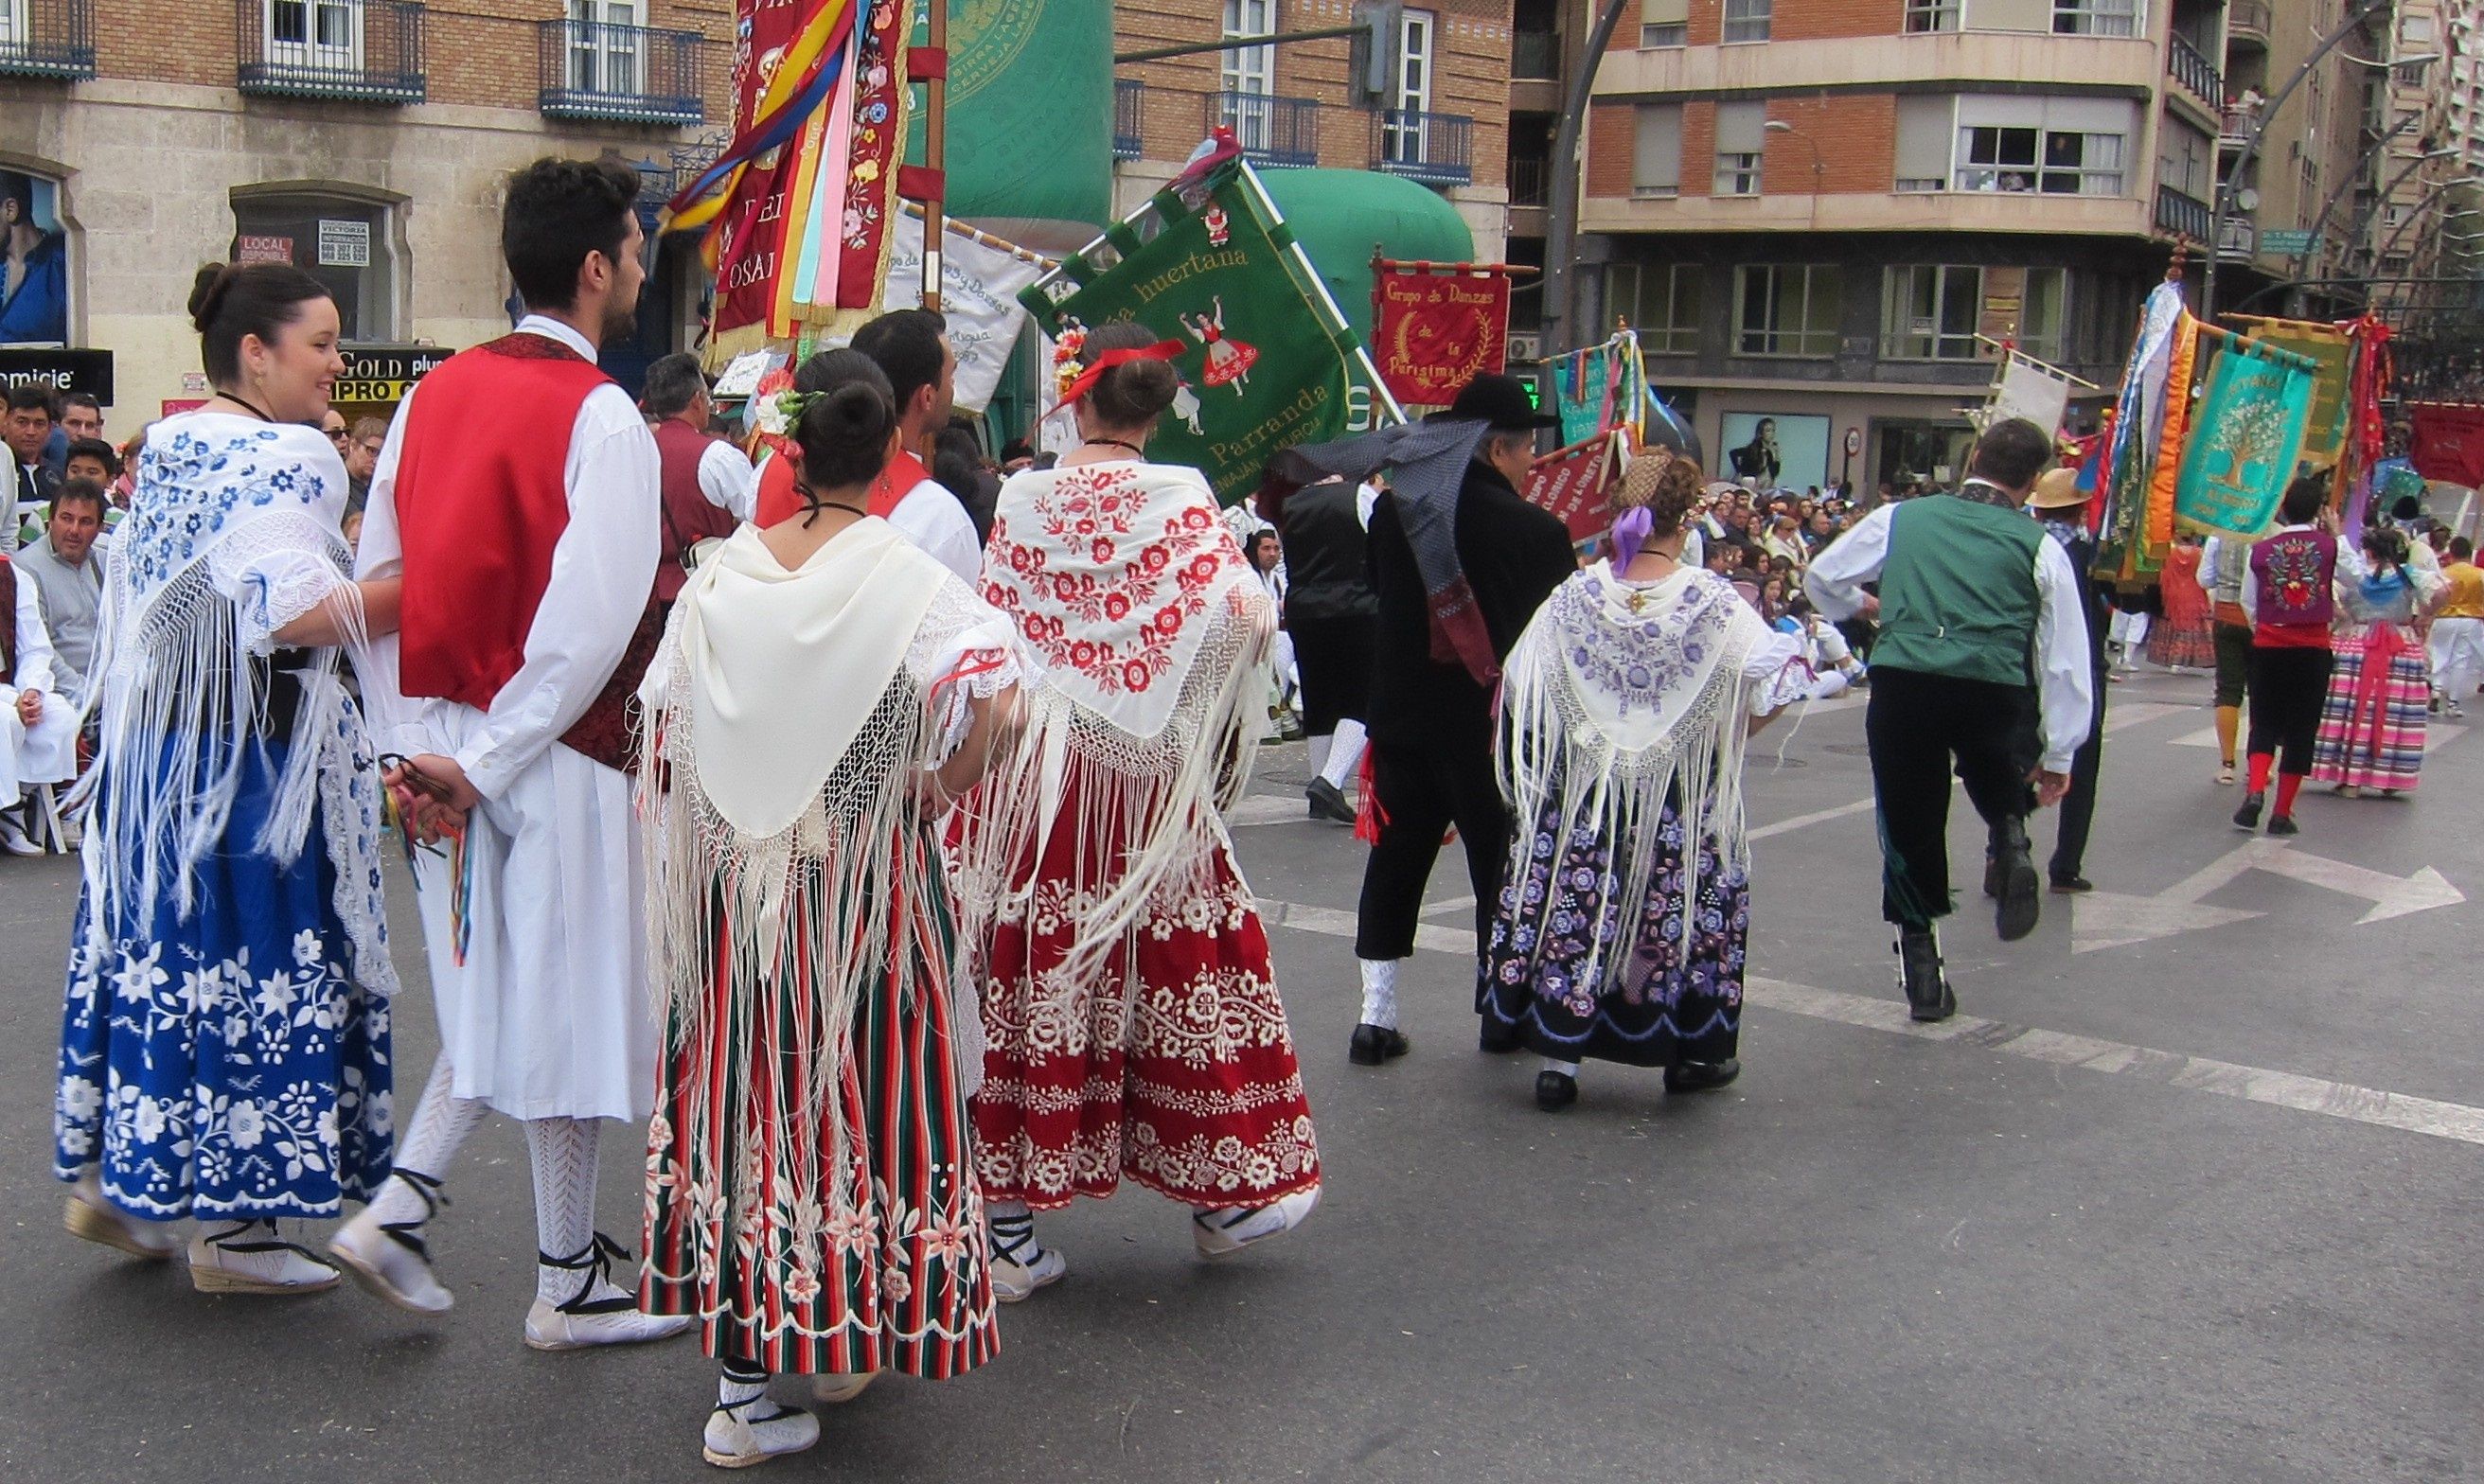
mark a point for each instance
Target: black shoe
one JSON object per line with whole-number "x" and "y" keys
{"x": 1496, "y": 1038}
{"x": 2284, "y": 825}
{"x": 2016, "y": 917}
{"x": 1701, "y": 1076}
{"x": 1919, "y": 966}
{"x": 2248, "y": 816}
{"x": 1992, "y": 873}
{"x": 1373, "y": 1044}
{"x": 2071, "y": 885}
{"x": 1327, "y": 802}
{"x": 1555, "y": 1091}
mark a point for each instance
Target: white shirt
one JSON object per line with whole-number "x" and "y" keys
{"x": 728, "y": 480}
{"x": 2064, "y": 687}
{"x": 2350, "y": 574}
{"x": 603, "y": 571}
{"x": 933, "y": 519}
{"x": 34, "y": 647}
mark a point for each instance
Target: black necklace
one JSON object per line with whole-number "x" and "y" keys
{"x": 1114, "y": 443}
{"x": 246, "y": 406}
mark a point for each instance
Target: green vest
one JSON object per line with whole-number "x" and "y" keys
{"x": 1957, "y": 593}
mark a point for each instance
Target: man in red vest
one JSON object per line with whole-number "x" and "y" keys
{"x": 708, "y": 486}
{"x": 517, "y": 496}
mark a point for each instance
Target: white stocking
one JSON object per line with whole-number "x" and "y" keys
{"x": 441, "y": 1122}
{"x": 1379, "y": 992}
{"x": 563, "y": 1154}
{"x": 1319, "y": 754}
{"x": 1345, "y": 757}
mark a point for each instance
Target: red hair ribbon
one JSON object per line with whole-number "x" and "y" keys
{"x": 1161, "y": 350}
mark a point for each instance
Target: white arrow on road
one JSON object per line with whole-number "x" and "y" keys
{"x": 2110, "y": 920}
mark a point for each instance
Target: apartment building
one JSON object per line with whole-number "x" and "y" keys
{"x": 363, "y": 140}
{"x": 2416, "y": 197}
{"x": 1826, "y": 216}
{"x": 1441, "y": 117}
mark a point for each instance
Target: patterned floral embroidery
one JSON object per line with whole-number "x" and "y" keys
{"x": 1101, "y": 564}
{"x": 1653, "y": 660}
{"x": 190, "y": 485}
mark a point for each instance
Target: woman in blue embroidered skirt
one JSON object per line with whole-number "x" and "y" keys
{"x": 224, "y": 1045}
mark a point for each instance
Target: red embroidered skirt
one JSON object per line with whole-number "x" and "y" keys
{"x": 1171, "y": 1065}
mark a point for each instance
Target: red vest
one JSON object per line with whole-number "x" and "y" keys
{"x": 481, "y": 500}
{"x": 779, "y": 500}
{"x": 8, "y": 621}
{"x": 689, "y": 516}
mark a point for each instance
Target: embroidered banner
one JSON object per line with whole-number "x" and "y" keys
{"x": 2332, "y": 350}
{"x": 1269, "y": 363}
{"x": 979, "y": 289}
{"x": 2029, "y": 389}
{"x": 1586, "y": 386}
{"x": 2244, "y": 443}
{"x": 2449, "y": 441}
{"x": 1432, "y": 332}
{"x": 1572, "y": 483}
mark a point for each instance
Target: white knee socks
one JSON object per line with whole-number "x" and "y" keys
{"x": 563, "y": 1154}
{"x": 1319, "y": 746}
{"x": 1345, "y": 753}
{"x": 1379, "y": 992}
{"x": 441, "y": 1120}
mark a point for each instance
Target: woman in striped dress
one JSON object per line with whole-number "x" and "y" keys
{"x": 825, "y": 690}
{"x": 2371, "y": 728}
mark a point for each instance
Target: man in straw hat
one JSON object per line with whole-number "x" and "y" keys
{"x": 1982, "y": 647}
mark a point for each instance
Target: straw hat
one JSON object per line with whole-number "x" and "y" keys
{"x": 2058, "y": 490}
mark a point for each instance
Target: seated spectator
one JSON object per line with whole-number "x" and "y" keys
{"x": 37, "y": 725}
{"x": 91, "y": 459}
{"x": 63, "y": 567}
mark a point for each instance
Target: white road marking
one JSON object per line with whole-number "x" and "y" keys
{"x": 1781, "y": 826}
{"x": 2375, "y": 1106}
{"x": 2111, "y": 920}
{"x": 2436, "y": 734}
{"x": 2390, "y": 895}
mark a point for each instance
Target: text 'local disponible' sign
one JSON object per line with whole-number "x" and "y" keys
{"x": 383, "y": 374}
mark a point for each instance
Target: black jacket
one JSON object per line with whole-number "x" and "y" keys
{"x": 1515, "y": 554}
{"x": 1327, "y": 555}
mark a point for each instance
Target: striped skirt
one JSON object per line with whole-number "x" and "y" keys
{"x": 2371, "y": 727}
{"x": 894, "y": 1280}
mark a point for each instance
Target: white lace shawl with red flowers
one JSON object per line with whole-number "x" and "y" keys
{"x": 1154, "y": 634}
{"x": 1114, "y": 572}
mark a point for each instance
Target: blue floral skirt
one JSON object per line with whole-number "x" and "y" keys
{"x": 1668, "y": 999}
{"x": 226, "y": 1062}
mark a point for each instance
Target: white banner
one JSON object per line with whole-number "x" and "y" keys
{"x": 2030, "y": 389}
{"x": 979, "y": 289}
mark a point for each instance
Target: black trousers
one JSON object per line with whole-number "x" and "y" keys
{"x": 1420, "y": 792}
{"x": 2078, "y": 805}
{"x": 2234, "y": 663}
{"x": 1333, "y": 658}
{"x": 1917, "y": 725}
{"x": 2288, "y": 687}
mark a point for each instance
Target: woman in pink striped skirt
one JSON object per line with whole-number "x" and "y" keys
{"x": 2371, "y": 729}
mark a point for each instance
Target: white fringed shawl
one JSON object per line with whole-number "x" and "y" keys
{"x": 1617, "y": 696}
{"x": 233, "y": 532}
{"x": 790, "y": 716}
{"x": 1153, "y": 634}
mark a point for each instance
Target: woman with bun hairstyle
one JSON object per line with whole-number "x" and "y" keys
{"x": 1134, "y": 1024}
{"x": 825, "y": 690}
{"x": 1623, "y": 917}
{"x": 225, "y": 1048}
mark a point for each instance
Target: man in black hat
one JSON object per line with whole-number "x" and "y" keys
{"x": 1456, "y": 574}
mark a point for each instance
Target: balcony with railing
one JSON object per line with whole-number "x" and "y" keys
{"x": 2235, "y": 125}
{"x": 2188, "y": 66}
{"x": 47, "y": 38}
{"x": 2246, "y": 25}
{"x": 2238, "y": 239}
{"x": 2182, "y": 214}
{"x": 618, "y": 74}
{"x": 354, "y": 51}
{"x": 1271, "y": 130}
{"x": 1531, "y": 180}
{"x": 1129, "y": 116}
{"x": 1435, "y": 149}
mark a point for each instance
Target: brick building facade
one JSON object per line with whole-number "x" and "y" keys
{"x": 364, "y": 140}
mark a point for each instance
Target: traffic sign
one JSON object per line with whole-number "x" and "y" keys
{"x": 2285, "y": 241}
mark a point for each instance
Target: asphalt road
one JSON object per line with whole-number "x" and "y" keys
{"x": 2197, "y": 1206}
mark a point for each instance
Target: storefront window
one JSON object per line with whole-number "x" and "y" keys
{"x": 34, "y": 261}
{"x": 343, "y": 243}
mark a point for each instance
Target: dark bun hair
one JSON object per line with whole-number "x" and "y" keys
{"x": 228, "y": 301}
{"x": 844, "y": 438}
{"x": 1668, "y": 489}
{"x": 1136, "y": 393}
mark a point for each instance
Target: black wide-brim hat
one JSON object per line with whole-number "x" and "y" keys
{"x": 1499, "y": 402}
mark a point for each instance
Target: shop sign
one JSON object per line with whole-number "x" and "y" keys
{"x": 62, "y": 370}
{"x": 383, "y": 374}
{"x": 250, "y": 249}
{"x": 344, "y": 244}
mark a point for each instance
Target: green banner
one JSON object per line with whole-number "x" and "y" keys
{"x": 2244, "y": 443}
{"x": 2323, "y": 430}
{"x": 1030, "y": 113}
{"x": 1585, "y": 379}
{"x": 1266, "y": 364}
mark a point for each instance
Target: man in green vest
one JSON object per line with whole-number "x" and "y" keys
{"x": 1982, "y": 647}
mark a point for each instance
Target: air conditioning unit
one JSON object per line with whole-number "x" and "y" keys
{"x": 1526, "y": 347}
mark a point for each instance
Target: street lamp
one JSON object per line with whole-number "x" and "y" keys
{"x": 2416, "y": 215}
{"x": 1561, "y": 237}
{"x": 1781, "y": 127}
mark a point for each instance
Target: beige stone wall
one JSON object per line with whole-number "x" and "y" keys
{"x": 148, "y": 171}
